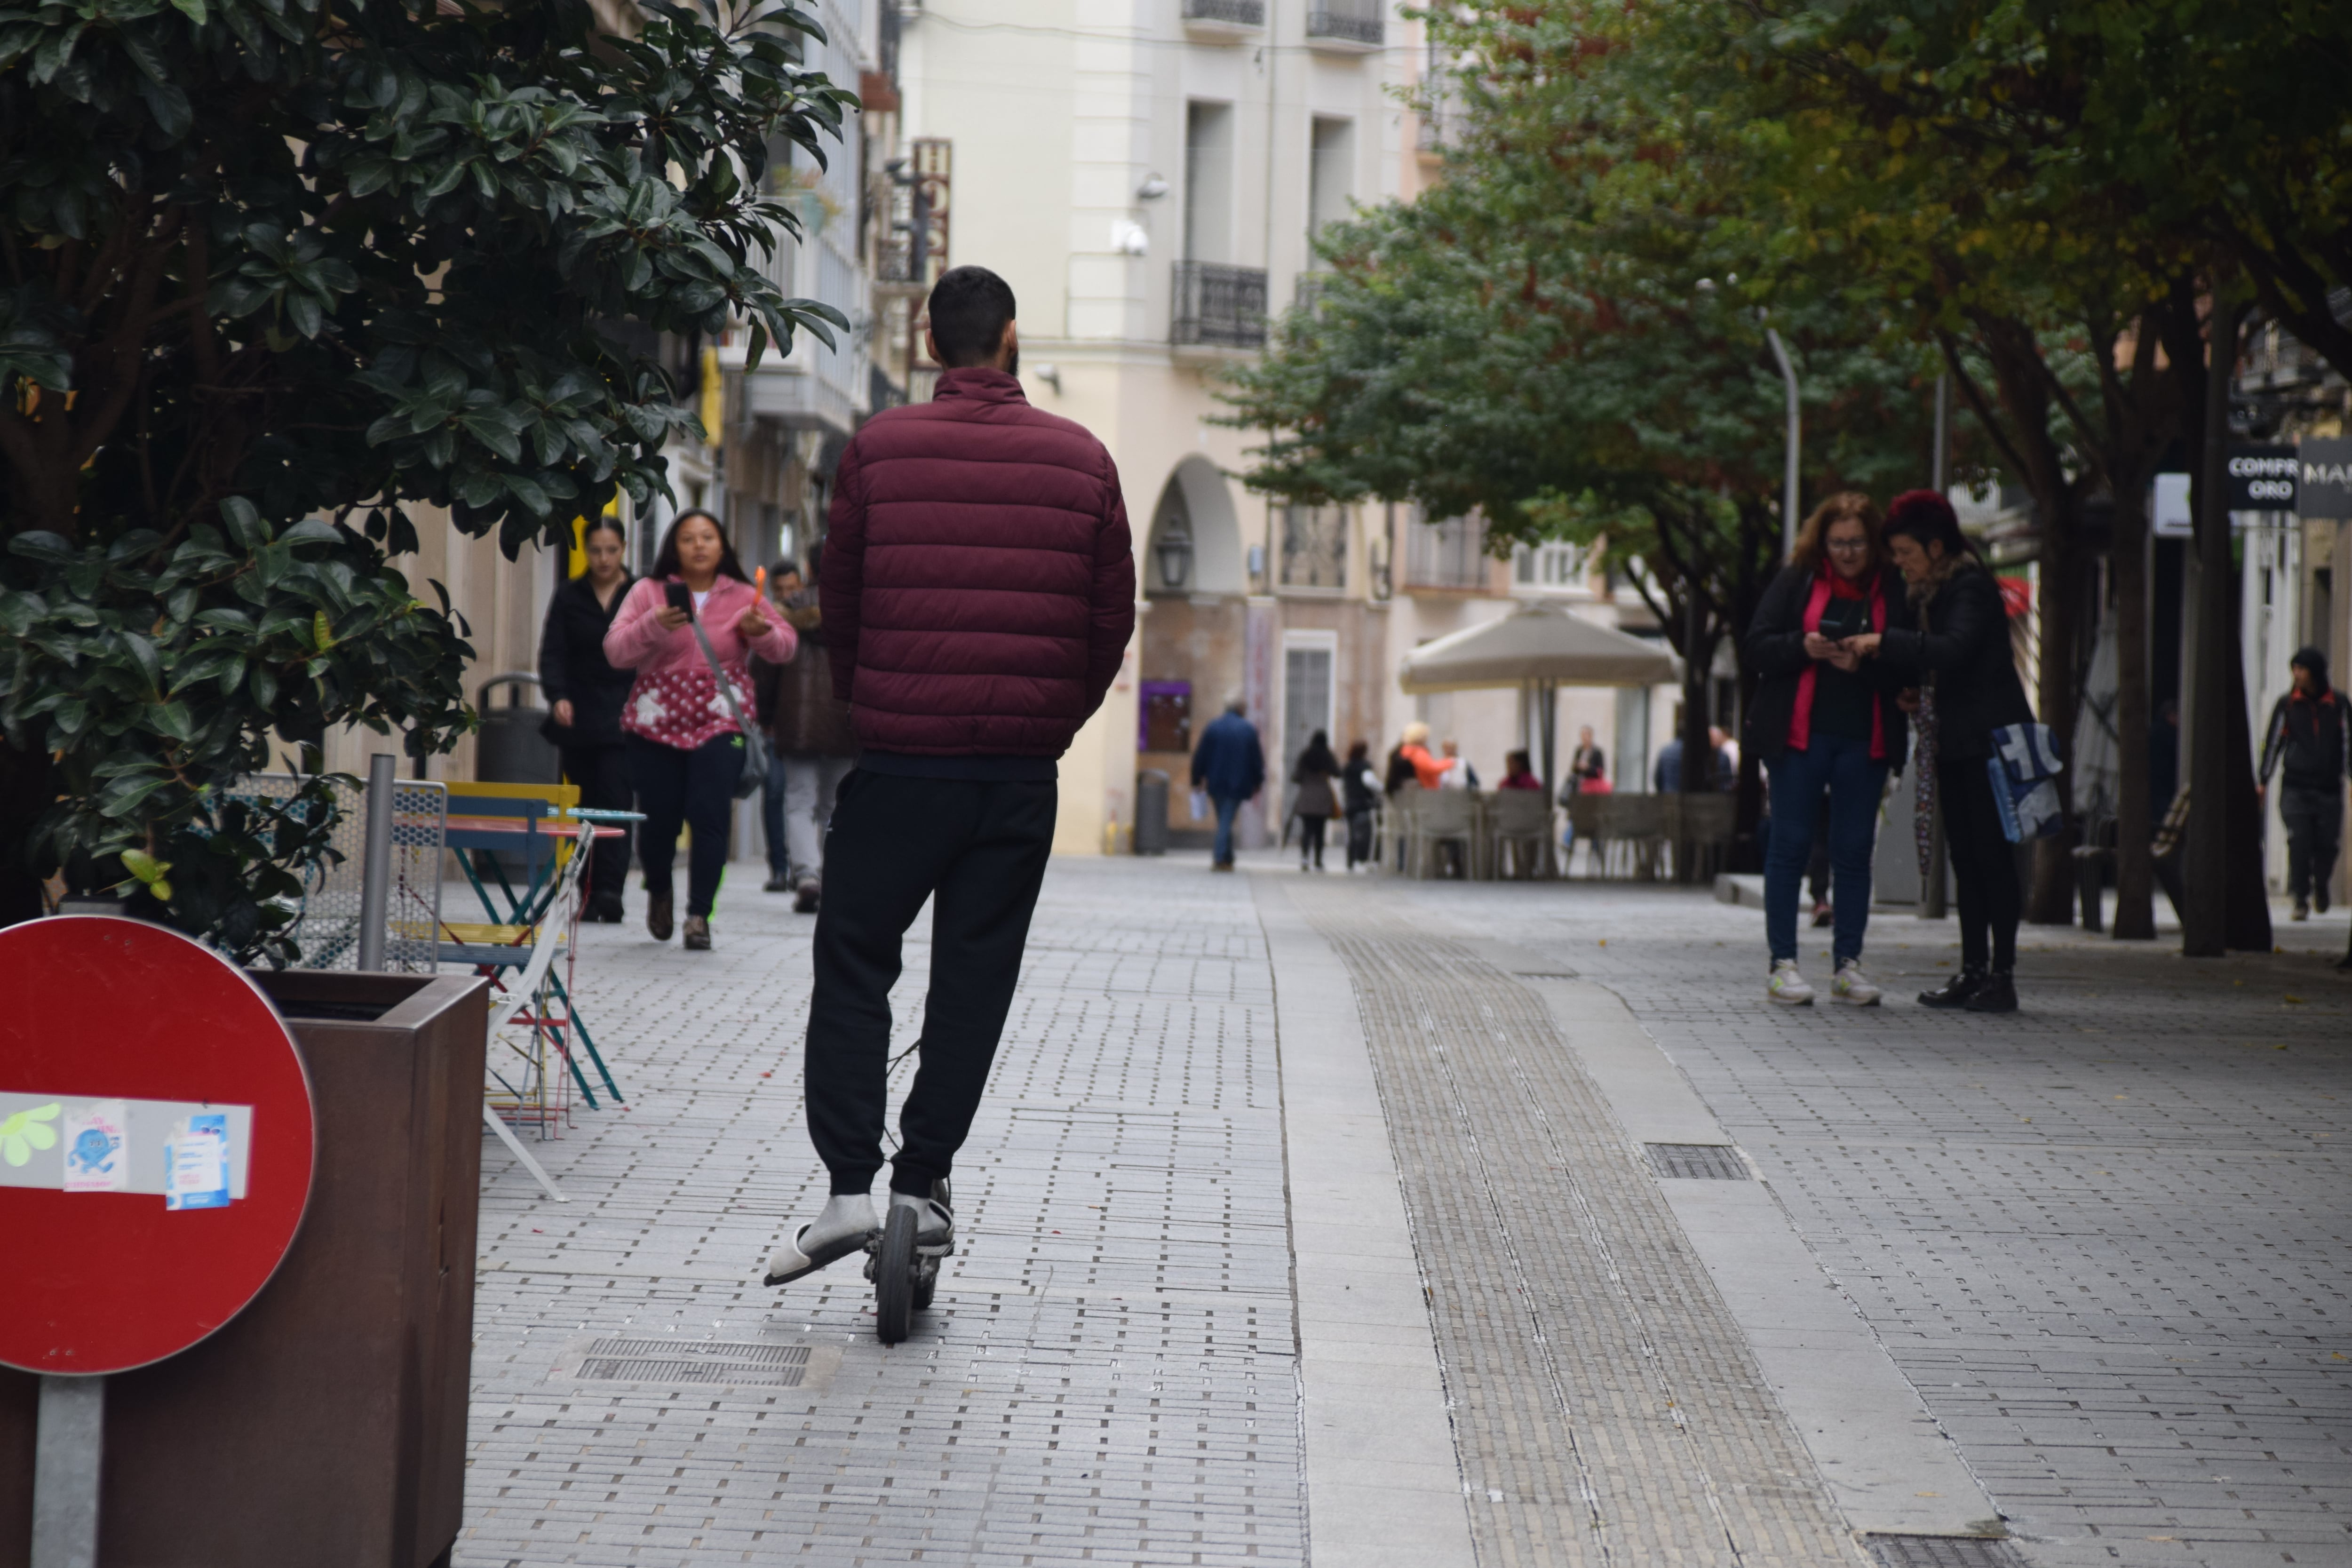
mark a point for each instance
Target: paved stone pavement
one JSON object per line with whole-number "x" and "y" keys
{"x": 2104, "y": 1240}
{"x": 1109, "y": 1374}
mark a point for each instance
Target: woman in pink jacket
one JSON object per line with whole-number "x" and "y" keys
{"x": 686, "y": 749}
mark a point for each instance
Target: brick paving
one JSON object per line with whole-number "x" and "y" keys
{"x": 1109, "y": 1373}
{"x": 1606, "y": 1407}
{"x": 2105, "y": 1237}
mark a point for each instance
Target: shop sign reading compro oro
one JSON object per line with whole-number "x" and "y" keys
{"x": 156, "y": 1143}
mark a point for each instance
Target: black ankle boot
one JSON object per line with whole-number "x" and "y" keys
{"x": 1997, "y": 994}
{"x": 1956, "y": 991}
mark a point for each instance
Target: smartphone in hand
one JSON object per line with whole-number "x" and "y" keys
{"x": 679, "y": 595}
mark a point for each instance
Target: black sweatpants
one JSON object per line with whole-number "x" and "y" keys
{"x": 1310, "y": 838}
{"x": 694, "y": 789}
{"x": 978, "y": 850}
{"x": 602, "y": 775}
{"x": 1984, "y": 864}
{"x": 2312, "y": 818}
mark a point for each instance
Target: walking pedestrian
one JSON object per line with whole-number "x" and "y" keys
{"x": 1826, "y": 725}
{"x": 812, "y": 747}
{"x": 1359, "y": 792}
{"x": 687, "y": 746}
{"x": 978, "y": 588}
{"x": 1315, "y": 772}
{"x": 585, "y": 694}
{"x": 1955, "y": 650}
{"x": 2309, "y": 735}
{"x": 1230, "y": 765}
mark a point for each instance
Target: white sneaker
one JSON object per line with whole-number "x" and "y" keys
{"x": 1786, "y": 987}
{"x": 1852, "y": 987}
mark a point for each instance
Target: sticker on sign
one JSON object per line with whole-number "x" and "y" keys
{"x": 121, "y": 1145}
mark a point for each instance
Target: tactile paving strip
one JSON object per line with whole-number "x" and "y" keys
{"x": 1605, "y": 1406}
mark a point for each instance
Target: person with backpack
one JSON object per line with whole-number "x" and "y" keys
{"x": 2306, "y": 739}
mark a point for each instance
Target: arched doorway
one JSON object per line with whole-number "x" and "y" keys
{"x": 1194, "y": 632}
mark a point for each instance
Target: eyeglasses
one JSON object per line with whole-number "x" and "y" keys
{"x": 1848, "y": 546}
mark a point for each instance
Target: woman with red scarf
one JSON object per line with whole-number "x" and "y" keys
{"x": 1824, "y": 719}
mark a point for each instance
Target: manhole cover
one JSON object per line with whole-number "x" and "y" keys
{"x": 710, "y": 1362}
{"x": 1942, "y": 1551}
{"x": 1698, "y": 1161}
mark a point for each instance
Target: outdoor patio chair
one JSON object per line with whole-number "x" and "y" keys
{"x": 1519, "y": 822}
{"x": 1637, "y": 824}
{"x": 1584, "y": 813}
{"x": 1440, "y": 818}
{"x": 1700, "y": 827}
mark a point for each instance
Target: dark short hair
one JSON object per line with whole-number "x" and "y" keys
{"x": 603, "y": 523}
{"x": 666, "y": 559}
{"x": 969, "y": 308}
{"x": 1928, "y": 517}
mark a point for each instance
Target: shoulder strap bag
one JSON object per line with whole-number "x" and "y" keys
{"x": 755, "y": 772}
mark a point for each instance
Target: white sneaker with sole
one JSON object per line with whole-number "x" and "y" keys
{"x": 1852, "y": 987}
{"x": 1788, "y": 987}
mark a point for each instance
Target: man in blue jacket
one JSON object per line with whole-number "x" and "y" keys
{"x": 1230, "y": 764}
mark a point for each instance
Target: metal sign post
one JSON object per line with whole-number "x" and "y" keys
{"x": 158, "y": 1130}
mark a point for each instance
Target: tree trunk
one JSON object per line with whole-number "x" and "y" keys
{"x": 2205, "y": 870}
{"x": 1698, "y": 756}
{"x": 2135, "y": 918}
{"x": 2049, "y": 895}
{"x": 29, "y": 786}
{"x": 2247, "y": 922}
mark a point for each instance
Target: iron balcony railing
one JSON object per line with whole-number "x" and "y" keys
{"x": 1238, "y": 13}
{"x": 1357, "y": 21}
{"x": 1221, "y": 305}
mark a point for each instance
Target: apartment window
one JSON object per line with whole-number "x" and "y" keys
{"x": 1448, "y": 554}
{"x": 1208, "y": 182}
{"x": 1314, "y": 547}
{"x": 1331, "y": 174}
{"x": 1551, "y": 568}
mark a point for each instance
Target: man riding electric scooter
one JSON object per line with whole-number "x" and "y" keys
{"x": 978, "y": 594}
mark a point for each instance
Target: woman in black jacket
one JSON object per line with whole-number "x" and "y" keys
{"x": 1957, "y": 648}
{"x": 1824, "y": 721}
{"x": 1361, "y": 792}
{"x": 586, "y": 694}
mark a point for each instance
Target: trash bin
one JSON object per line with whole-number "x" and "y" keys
{"x": 324, "y": 1426}
{"x": 509, "y": 747}
{"x": 1152, "y": 811}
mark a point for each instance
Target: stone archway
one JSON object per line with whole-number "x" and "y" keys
{"x": 1192, "y": 634}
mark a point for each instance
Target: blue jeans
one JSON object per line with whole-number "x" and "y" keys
{"x": 1843, "y": 767}
{"x": 1226, "y": 805}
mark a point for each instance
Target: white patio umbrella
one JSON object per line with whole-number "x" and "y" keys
{"x": 1535, "y": 649}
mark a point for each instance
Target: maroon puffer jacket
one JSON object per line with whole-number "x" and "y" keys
{"x": 978, "y": 585}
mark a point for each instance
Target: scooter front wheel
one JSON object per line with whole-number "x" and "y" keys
{"x": 894, "y": 1276}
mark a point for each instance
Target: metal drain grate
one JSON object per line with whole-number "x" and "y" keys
{"x": 1942, "y": 1551}
{"x": 694, "y": 1360}
{"x": 1698, "y": 1161}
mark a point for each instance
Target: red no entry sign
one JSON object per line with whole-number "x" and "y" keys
{"x": 156, "y": 1143}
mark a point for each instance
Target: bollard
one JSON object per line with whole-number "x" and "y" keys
{"x": 376, "y": 865}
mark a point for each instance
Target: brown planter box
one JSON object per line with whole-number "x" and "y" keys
{"x": 325, "y": 1426}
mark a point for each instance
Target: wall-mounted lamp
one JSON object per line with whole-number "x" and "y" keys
{"x": 1152, "y": 188}
{"x": 1130, "y": 238}
{"x": 1051, "y": 374}
{"x": 1175, "y": 553}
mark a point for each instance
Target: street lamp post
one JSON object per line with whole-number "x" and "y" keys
{"x": 1796, "y": 443}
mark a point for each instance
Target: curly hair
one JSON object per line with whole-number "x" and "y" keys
{"x": 1812, "y": 547}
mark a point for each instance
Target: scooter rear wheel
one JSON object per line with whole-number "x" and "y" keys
{"x": 894, "y": 1276}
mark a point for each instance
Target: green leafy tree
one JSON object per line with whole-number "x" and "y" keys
{"x": 2041, "y": 191}
{"x": 1558, "y": 338}
{"x": 278, "y": 273}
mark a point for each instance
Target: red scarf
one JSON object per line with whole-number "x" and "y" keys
{"x": 1801, "y": 721}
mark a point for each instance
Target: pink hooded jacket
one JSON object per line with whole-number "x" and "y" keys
{"x": 674, "y": 699}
